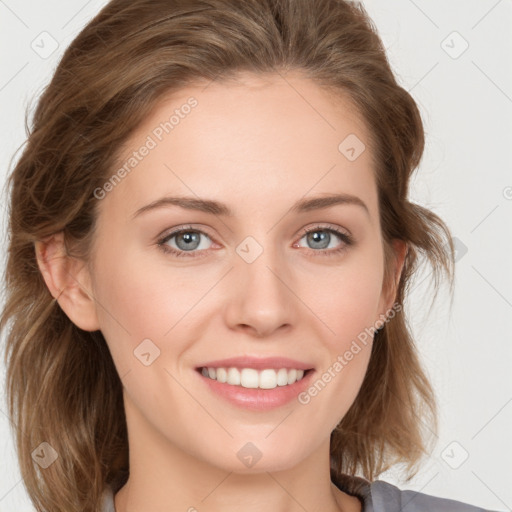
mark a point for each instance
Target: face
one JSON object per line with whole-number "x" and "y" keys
{"x": 243, "y": 279}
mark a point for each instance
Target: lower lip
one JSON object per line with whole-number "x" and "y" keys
{"x": 255, "y": 398}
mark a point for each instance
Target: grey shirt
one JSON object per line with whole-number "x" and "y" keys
{"x": 376, "y": 496}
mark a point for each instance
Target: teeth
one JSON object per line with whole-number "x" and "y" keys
{"x": 251, "y": 378}
{"x": 222, "y": 375}
{"x": 233, "y": 377}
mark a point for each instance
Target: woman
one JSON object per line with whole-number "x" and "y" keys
{"x": 210, "y": 244}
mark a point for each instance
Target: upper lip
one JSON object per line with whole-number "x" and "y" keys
{"x": 258, "y": 363}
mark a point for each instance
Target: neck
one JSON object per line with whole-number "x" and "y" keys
{"x": 163, "y": 477}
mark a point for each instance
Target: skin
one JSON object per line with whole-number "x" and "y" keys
{"x": 258, "y": 145}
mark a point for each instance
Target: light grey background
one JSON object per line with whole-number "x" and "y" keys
{"x": 465, "y": 176}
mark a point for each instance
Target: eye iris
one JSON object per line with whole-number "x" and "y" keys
{"x": 190, "y": 238}
{"x": 319, "y": 236}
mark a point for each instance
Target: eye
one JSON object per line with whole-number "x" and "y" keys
{"x": 321, "y": 238}
{"x": 187, "y": 241}
{"x": 184, "y": 240}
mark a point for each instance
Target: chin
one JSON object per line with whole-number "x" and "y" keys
{"x": 259, "y": 455}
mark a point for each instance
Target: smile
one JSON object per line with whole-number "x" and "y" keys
{"x": 256, "y": 389}
{"x": 268, "y": 378}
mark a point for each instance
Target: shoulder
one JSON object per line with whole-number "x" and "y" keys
{"x": 386, "y": 497}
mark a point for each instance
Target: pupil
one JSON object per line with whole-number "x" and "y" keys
{"x": 188, "y": 238}
{"x": 320, "y": 236}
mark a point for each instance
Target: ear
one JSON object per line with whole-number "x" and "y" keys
{"x": 389, "y": 290}
{"x": 68, "y": 280}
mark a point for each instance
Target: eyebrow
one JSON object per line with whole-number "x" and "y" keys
{"x": 217, "y": 208}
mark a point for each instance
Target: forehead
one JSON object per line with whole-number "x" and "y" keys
{"x": 253, "y": 137}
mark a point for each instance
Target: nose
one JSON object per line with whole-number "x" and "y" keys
{"x": 261, "y": 298}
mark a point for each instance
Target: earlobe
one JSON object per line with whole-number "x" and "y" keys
{"x": 68, "y": 281}
{"x": 400, "y": 248}
{"x": 390, "y": 289}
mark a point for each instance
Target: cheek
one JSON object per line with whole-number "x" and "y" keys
{"x": 346, "y": 298}
{"x": 135, "y": 301}
{"x": 349, "y": 310}
{"x": 138, "y": 300}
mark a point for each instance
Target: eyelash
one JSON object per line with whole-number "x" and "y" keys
{"x": 347, "y": 241}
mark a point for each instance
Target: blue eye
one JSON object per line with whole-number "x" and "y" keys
{"x": 323, "y": 241}
{"x": 187, "y": 241}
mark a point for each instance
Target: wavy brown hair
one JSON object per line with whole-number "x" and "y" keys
{"x": 61, "y": 382}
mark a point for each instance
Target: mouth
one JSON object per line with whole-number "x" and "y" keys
{"x": 252, "y": 378}
{"x": 256, "y": 384}
{"x": 256, "y": 389}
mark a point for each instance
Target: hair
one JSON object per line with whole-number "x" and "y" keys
{"x": 62, "y": 385}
